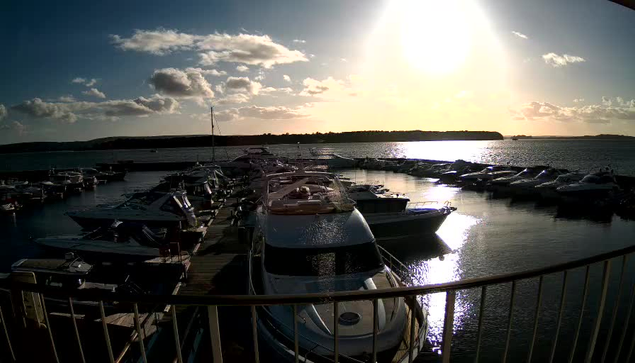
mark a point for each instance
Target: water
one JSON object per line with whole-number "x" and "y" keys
{"x": 483, "y": 237}
{"x": 584, "y": 155}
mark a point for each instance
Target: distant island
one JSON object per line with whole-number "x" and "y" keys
{"x": 155, "y": 142}
{"x": 588, "y": 137}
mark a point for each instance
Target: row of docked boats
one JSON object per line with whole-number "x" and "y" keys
{"x": 16, "y": 194}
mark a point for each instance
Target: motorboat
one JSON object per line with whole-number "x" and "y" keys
{"x": 122, "y": 241}
{"x": 501, "y": 183}
{"x": 596, "y": 185}
{"x": 310, "y": 239}
{"x": 252, "y": 157}
{"x": 92, "y": 177}
{"x": 154, "y": 209}
{"x": 196, "y": 185}
{"x": 336, "y": 161}
{"x": 392, "y": 216}
{"x": 9, "y": 199}
{"x": 488, "y": 173}
{"x": 547, "y": 190}
{"x": 73, "y": 182}
{"x": 526, "y": 187}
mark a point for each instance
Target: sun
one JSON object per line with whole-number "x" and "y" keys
{"x": 435, "y": 35}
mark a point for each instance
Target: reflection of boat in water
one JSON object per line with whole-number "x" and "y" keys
{"x": 328, "y": 246}
{"x": 390, "y": 216}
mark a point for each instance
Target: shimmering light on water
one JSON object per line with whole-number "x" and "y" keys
{"x": 443, "y": 150}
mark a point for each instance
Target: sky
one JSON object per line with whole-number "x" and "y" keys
{"x": 89, "y": 69}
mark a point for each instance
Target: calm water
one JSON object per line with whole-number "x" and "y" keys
{"x": 483, "y": 237}
{"x": 571, "y": 154}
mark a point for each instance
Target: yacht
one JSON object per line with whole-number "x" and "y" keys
{"x": 489, "y": 173}
{"x": 547, "y": 190}
{"x": 8, "y": 199}
{"x": 310, "y": 239}
{"x": 72, "y": 181}
{"x": 122, "y": 241}
{"x": 502, "y": 183}
{"x": 154, "y": 209}
{"x": 391, "y": 216}
{"x": 596, "y": 185}
{"x": 526, "y": 187}
{"x": 337, "y": 161}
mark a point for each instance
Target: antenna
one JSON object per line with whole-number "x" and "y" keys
{"x": 213, "y": 143}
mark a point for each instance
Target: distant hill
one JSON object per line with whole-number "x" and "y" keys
{"x": 155, "y": 142}
{"x": 589, "y": 137}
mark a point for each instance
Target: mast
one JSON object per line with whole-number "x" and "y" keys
{"x": 213, "y": 143}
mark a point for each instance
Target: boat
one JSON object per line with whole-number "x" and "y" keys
{"x": 310, "y": 239}
{"x": 391, "y": 216}
{"x": 121, "y": 241}
{"x": 526, "y": 187}
{"x": 501, "y": 184}
{"x": 73, "y": 182}
{"x": 488, "y": 173}
{"x": 595, "y": 185}
{"x": 337, "y": 161}
{"x": 154, "y": 209}
{"x": 547, "y": 190}
{"x": 9, "y": 199}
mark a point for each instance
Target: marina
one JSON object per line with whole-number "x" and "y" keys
{"x": 214, "y": 259}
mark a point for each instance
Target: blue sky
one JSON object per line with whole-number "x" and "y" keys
{"x": 83, "y": 70}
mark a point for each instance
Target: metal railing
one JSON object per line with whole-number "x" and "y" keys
{"x": 622, "y": 352}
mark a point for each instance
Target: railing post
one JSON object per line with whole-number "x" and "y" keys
{"x": 598, "y": 320}
{"x": 560, "y": 313}
{"x": 6, "y": 334}
{"x": 627, "y": 319}
{"x": 615, "y": 308}
{"x": 413, "y": 323}
{"x": 479, "y": 334}
{"x": 214, "y": 332}
{"x": 536, "y": 318}
{"x": 140, "y": 337}
{"x": 254, "y": 333}
{"x": 177, "y": 340}
{"x": 509, "y": 320}
{"x": 448, "y": 324}
{"x": 336, "y": 332}
{"x": 296, "y": 336}
{"x": 79, "y": 342}
{"x": 577, "y": 331}
{"x": 48, "y": 328}
{"x": 375, "y": 329}
{"x": 106, "y": 334}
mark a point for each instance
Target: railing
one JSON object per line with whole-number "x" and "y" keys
{"x": 622, "y": 350}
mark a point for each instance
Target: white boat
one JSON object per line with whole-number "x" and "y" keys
{"x": 547, "y": 190}
{"x": 340, "y": 162}
{"x": 489, "y": 173}
{"x": 122, "y": 241}
{"x": 72, "y": 181}
{"x": 501, "y": 183}
{"x": 8, "y": 199}
{"x": 154, "y": 209}
{"x": 391, "y": 216}
{"x": 526, "y": 187}
{"x": 596, "y": 185}
{"x": 310, "y": 239}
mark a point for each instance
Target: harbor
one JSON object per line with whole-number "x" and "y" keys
{"x": 214, "y": 259}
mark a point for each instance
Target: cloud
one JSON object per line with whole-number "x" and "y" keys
{"x": 84, "y": 81}
{"x": 95, "y": 93}
{"x": 248, "y": 49}
{"x": 91, "y": 83}
{"x": 286, "y": 78}
{"x": 79, "y": 80}
{"x": 520, "y": 35}
{"x": 242, "y": 68}
{"x": 234, "y": 98}
{"x": 301, "y": 41}
{"x": 181, "y": 84}
{"x": 556, "y": 60}
{"x": 14, "y": 126}
{"x": 3, "y": 112}
{"x": 158, "y": 42}
{"x": 313, "y": 87}
{"x": 207, "y": 72}
{"x": 242, "y": 84}
{"x": 67, "y": 98}
{"x": 578, "y": 100}
{"x": 605, "y": 112}
{"x": 70, "y": 111}
{"x": 273, "y": 91}
{"x": 260, "y": 113}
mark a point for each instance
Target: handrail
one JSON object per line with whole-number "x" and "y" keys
{"x": 289, "y": 299}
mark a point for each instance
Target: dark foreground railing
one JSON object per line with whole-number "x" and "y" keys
{"x": 621, "y": 353}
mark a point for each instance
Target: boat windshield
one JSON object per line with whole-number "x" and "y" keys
{"x": 328, "y": 261}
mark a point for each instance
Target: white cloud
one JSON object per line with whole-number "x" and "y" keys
{"x": 14, "y": 126}
{"x": 242, "y": 68}
{"x": 84, "y": 81}
{"x": 260, "y": 113}
{"x": 79, "y": 80}
{"x": 234, "y": 98}
{"x": 95, "y": 93}
{"x": 313, "y": 87}
{"x": 242, "y": 48}
{"x": 67, "y": 98}
{"x": 70, "y": 111}
{"x": 301, "y": 41}
{"x": 556, "y": 60}
{"x": 520, "y": 35}
{"x": 206, "y": 72}
{"x": 242, "y": 84}
{"x": 578, "y": 100}
{"x": 3, "y": 112}
{"x": 273, "y": 91}
{"x": 91, "y": 83}
{"x": 286, "y": 78}
{"x": 159, "y": 42}
{"x": 605, "y": 112}
{"x": 181, "y": 84}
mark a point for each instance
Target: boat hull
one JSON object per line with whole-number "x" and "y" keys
{"x": 399, "y": 225}
{"x": 91, "y": 223}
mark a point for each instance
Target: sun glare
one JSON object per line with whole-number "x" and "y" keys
{"x": 435, "y": 35}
